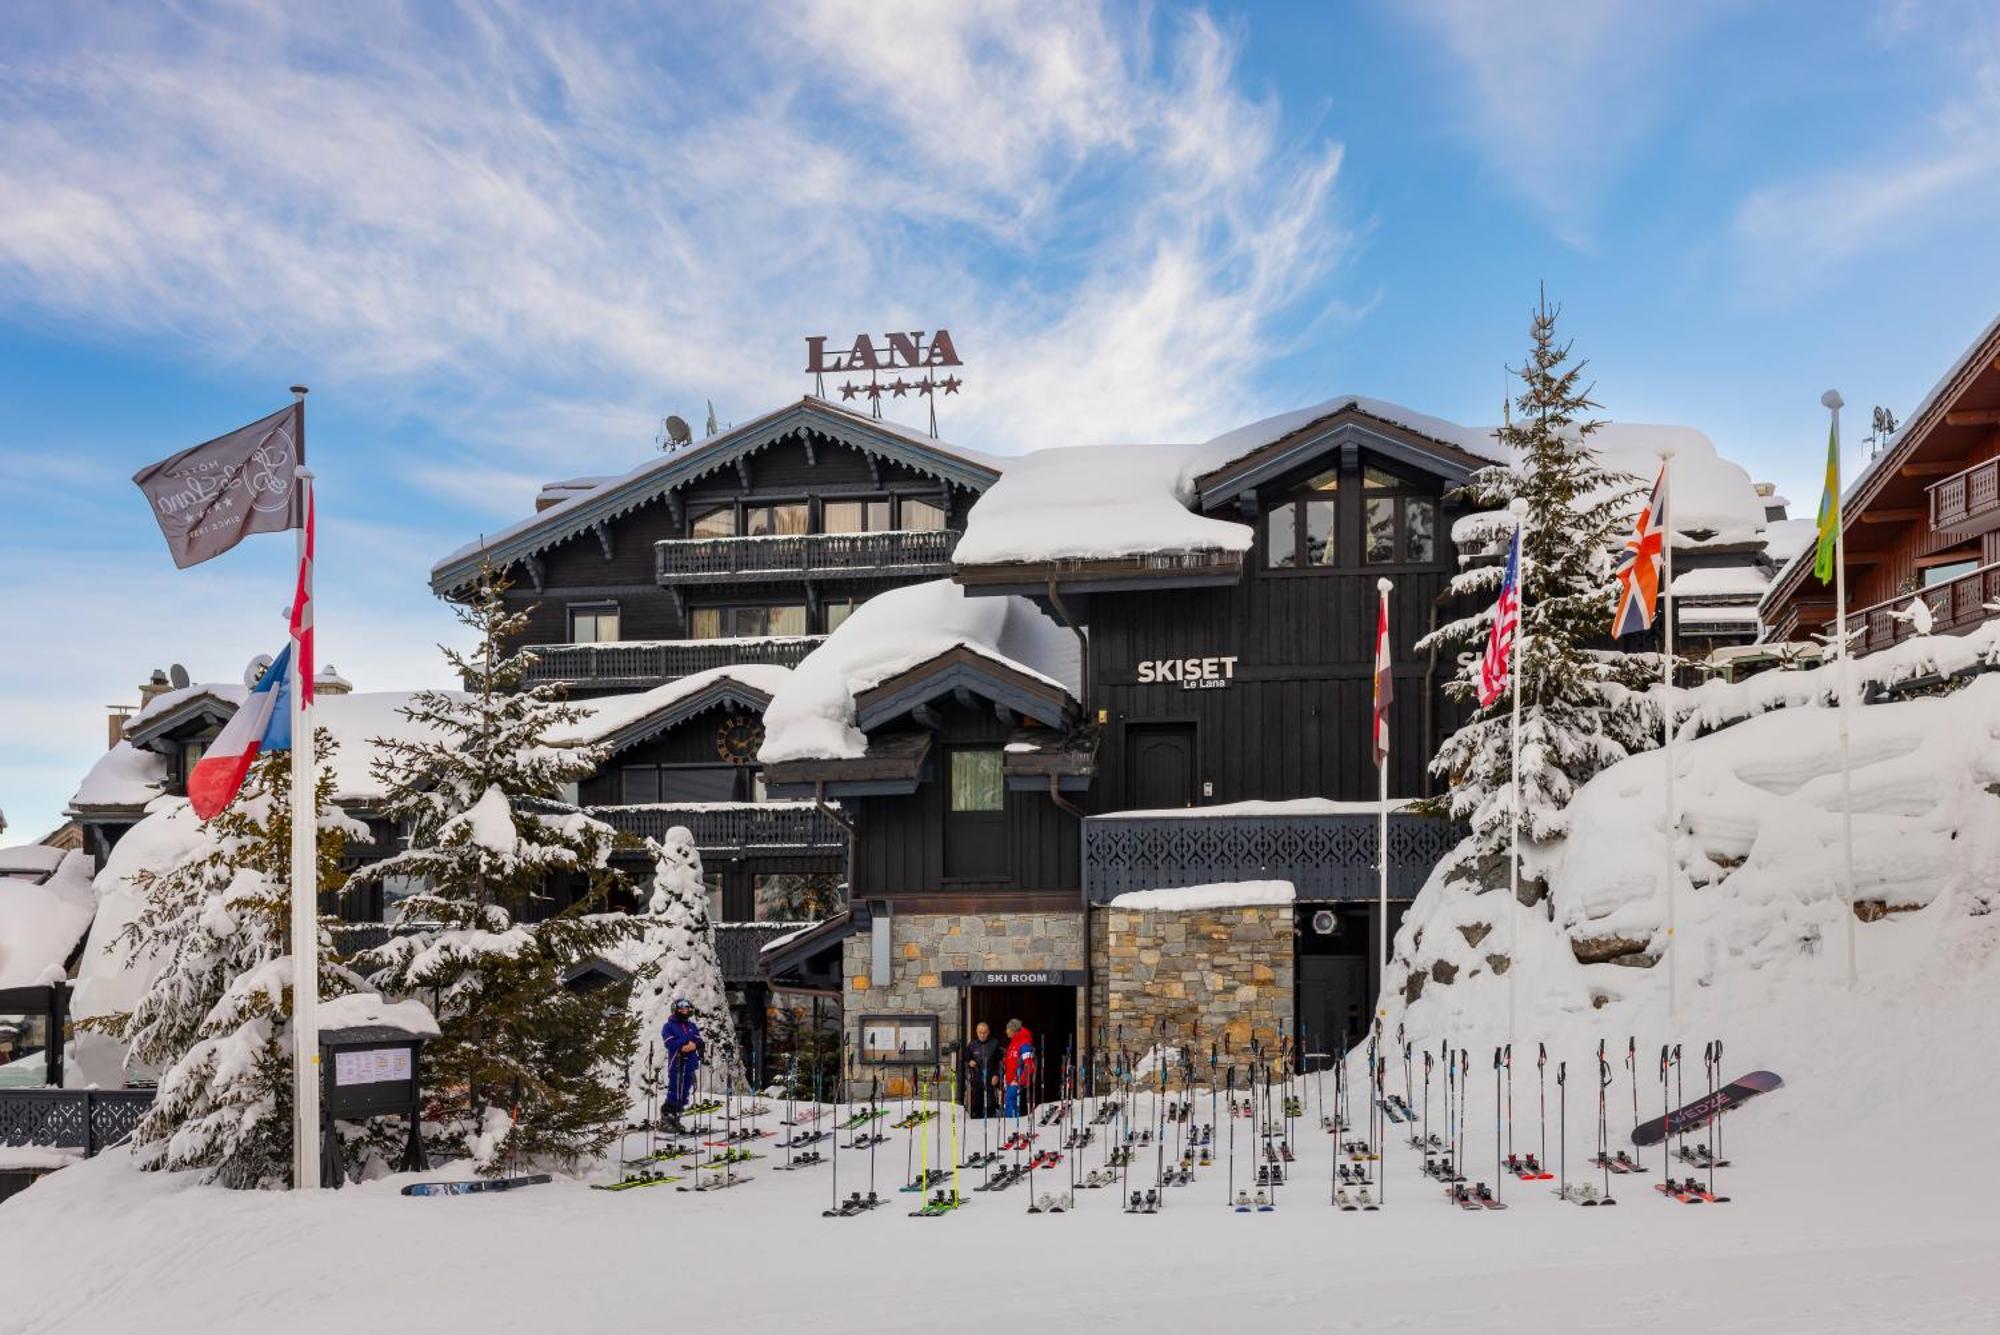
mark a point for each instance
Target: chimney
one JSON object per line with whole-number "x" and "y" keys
{"x": 157, "y": 684}
{"x": 115, "y": 724}
{"x": 328, "y": 681}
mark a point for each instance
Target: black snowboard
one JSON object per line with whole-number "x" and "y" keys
{"x": 475, "y": 1185}
{"x": 1706, "y": 1108}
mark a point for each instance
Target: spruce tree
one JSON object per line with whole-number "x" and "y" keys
{"x": 524, "y": 1066}
{"x": 674, "y": 957}
{"x": 215, "y": 1018}
{"x": 1582, "y": 702}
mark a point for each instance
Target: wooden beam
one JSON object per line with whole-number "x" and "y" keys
{"x": 1901, "y": 515}
{"x": 1973, "y": 417}
{"x": 1929, "y": 470}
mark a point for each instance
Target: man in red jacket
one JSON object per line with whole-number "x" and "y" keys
{"x": 1018, "y": 1067}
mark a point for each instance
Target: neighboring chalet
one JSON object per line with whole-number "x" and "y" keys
{"x": 747, "y": 547}
{"x": 1922, "y": 520}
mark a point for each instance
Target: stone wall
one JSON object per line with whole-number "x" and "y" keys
{"x": 924, "y": 945}
{"x": 1228, "y": 970}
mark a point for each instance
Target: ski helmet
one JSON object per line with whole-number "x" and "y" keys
{"x": 683, "y": 1004}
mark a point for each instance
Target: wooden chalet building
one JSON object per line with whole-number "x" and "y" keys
{"x": 1922, "y": 520}
{"x": 1191, "y": 711}
{"x": 672, "y": 601}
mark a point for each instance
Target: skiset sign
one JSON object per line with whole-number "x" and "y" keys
{"x": 1193, "y": 674}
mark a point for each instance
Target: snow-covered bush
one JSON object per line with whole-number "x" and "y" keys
{"x": 674, "y": 957}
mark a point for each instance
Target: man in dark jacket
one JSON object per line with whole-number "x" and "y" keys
{"x": 1019, "y": 1068}
{"x": 680, "y": 1036}
{"x": 982, "y": 1072}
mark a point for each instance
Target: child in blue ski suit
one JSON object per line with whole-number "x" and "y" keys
{"x": 680, "y": 1036}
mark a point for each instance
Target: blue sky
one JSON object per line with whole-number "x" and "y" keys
{"x": 500, "y": 243}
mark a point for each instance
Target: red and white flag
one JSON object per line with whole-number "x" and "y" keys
{"x": 302, "y": 611}
{"x": 1499, "y": 657}
{"x": 1385, "y": 682}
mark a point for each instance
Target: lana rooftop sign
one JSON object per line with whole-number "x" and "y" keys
{"x": 895, "y": 352}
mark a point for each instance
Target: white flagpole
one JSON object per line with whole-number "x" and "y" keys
{"x": 1382, "y": 587}
{"x": 305, "y": 886}
{"x": 1671, "y": 827}
{"x": 1832, "y": 401}
{"x": 1519, "y": 508}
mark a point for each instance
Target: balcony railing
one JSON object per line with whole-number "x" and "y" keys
{"x": 733, "y": 827}
{"x": 1324, "y": 856}
{"x": 805, "y": 555}
{"x": 1967, "y": 503}
{"x": 638, "y": 664}
{"x": 1956, "y": 606}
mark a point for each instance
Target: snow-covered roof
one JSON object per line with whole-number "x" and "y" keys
{"x": 611, "y": 714}
{"x": 127, "y": 776}
{"x": 812, "y": 715}
{"x": 357, "y": 1009}
{"x": 1708, "y": 492}
{"x": 1786, "y": 538}
{"x": 124, "y": 776}
{"x": 584, "y": 507}
{"x": 1094, "y": 502}
{"x": 1226, "y": 895}
{"x": 1227, "y": 448}
{"x": 42, "y": 920}
{"x": 1296, "y": 806}
{"x": 29, "y": 861}
{"x": 1730, "y": 581}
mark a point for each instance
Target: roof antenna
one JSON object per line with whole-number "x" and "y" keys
{"x": 675, "y": 434}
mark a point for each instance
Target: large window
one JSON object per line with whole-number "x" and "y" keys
{"x": 838, "y": 610}
{"x": 593, "y": 623}
{"x": 717, "y": 523}
{"x": 761, "y": 521}
{"x": 869, "y": 516}
{"x": 1304, "y": 531}
{"x": 751, "y": 621}
{"x": 678, "y": 783}
{"x": 1401, "y": 525}
{"x": 921, "y": 514}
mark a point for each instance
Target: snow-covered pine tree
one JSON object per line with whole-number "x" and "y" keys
{"x": 524, "y": 1065}
{"x": 675, "y": 957}
{"x": 216, "y": 1017}
{"x": 1582, "y": 702}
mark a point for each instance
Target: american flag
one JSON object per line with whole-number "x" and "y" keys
{"x": 1385, "y": 682}
{"x": 1639, "y": 567}
{"x": 1506, "y": 622}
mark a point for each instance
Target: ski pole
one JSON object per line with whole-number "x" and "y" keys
{"x": 1562, "y": 1117}
{"x": 1542, "y": 1083}
{"x": 1632, "y": 1075}
{"x": 1507, "y": 1059}
{"x": 1604, "y": 1124}
{"x": 1666, "y": 1117}
{"x": 1497, "y": 1160}
{"x": 1229, "y": 1195}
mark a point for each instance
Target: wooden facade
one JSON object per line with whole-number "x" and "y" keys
{"x": 1915, "y": 519}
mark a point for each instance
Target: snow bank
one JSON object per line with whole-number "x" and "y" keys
{"x": 1296, "y": 806}
{"x": 609, "y": 714}
{"x": 1096, "y": 502}
{"x": 41, "y": 921}
{"x": 812, "y": 714}
{"x": 1227, "y": 895}
{"x": 1759, "y": 904}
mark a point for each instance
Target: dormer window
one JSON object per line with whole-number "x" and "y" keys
{"x": 1301, "y": 532}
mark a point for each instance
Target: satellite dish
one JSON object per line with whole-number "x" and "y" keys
{"x": 254, "y": 673}
{"x": 678, "y": 431}
{"x": 178, "y": 675}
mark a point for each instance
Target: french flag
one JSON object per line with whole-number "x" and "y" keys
{"x": 264, "y": 723}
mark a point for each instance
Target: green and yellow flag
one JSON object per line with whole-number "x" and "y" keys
{"x": 1829, "y": 507}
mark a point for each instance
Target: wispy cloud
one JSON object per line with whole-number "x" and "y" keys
{"x": 615, "y": 211}
{"x": 1557, "y": 94}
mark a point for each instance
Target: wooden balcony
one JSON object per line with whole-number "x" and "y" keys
{"x": 1325, "y": 856}
{"x": 1956, "y": 607}
{"x": 734, "y": 828}
{"x": 642, "y": 664}
{"x": 1967, "y": 503}
{"x": 897, "y": 552}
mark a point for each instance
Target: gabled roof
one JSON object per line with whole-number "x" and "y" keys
{"x": 620, "y": 721}
{"x": 587, "y": 509}
{"x": 1245, "y": 459}
{"x": 200, "y": 706}
{"x": 964, "y": 672}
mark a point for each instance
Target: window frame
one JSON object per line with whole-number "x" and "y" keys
{"x": 726, "y": 611}
{"x": 595, "y": 610}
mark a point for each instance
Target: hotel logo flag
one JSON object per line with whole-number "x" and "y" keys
{"x": 1639, "y": 567}
{"x": 208, "y": 498}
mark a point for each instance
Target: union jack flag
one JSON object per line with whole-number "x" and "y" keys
{"x": 1639, "y": 567}
{"x": 1506, "y": 623}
